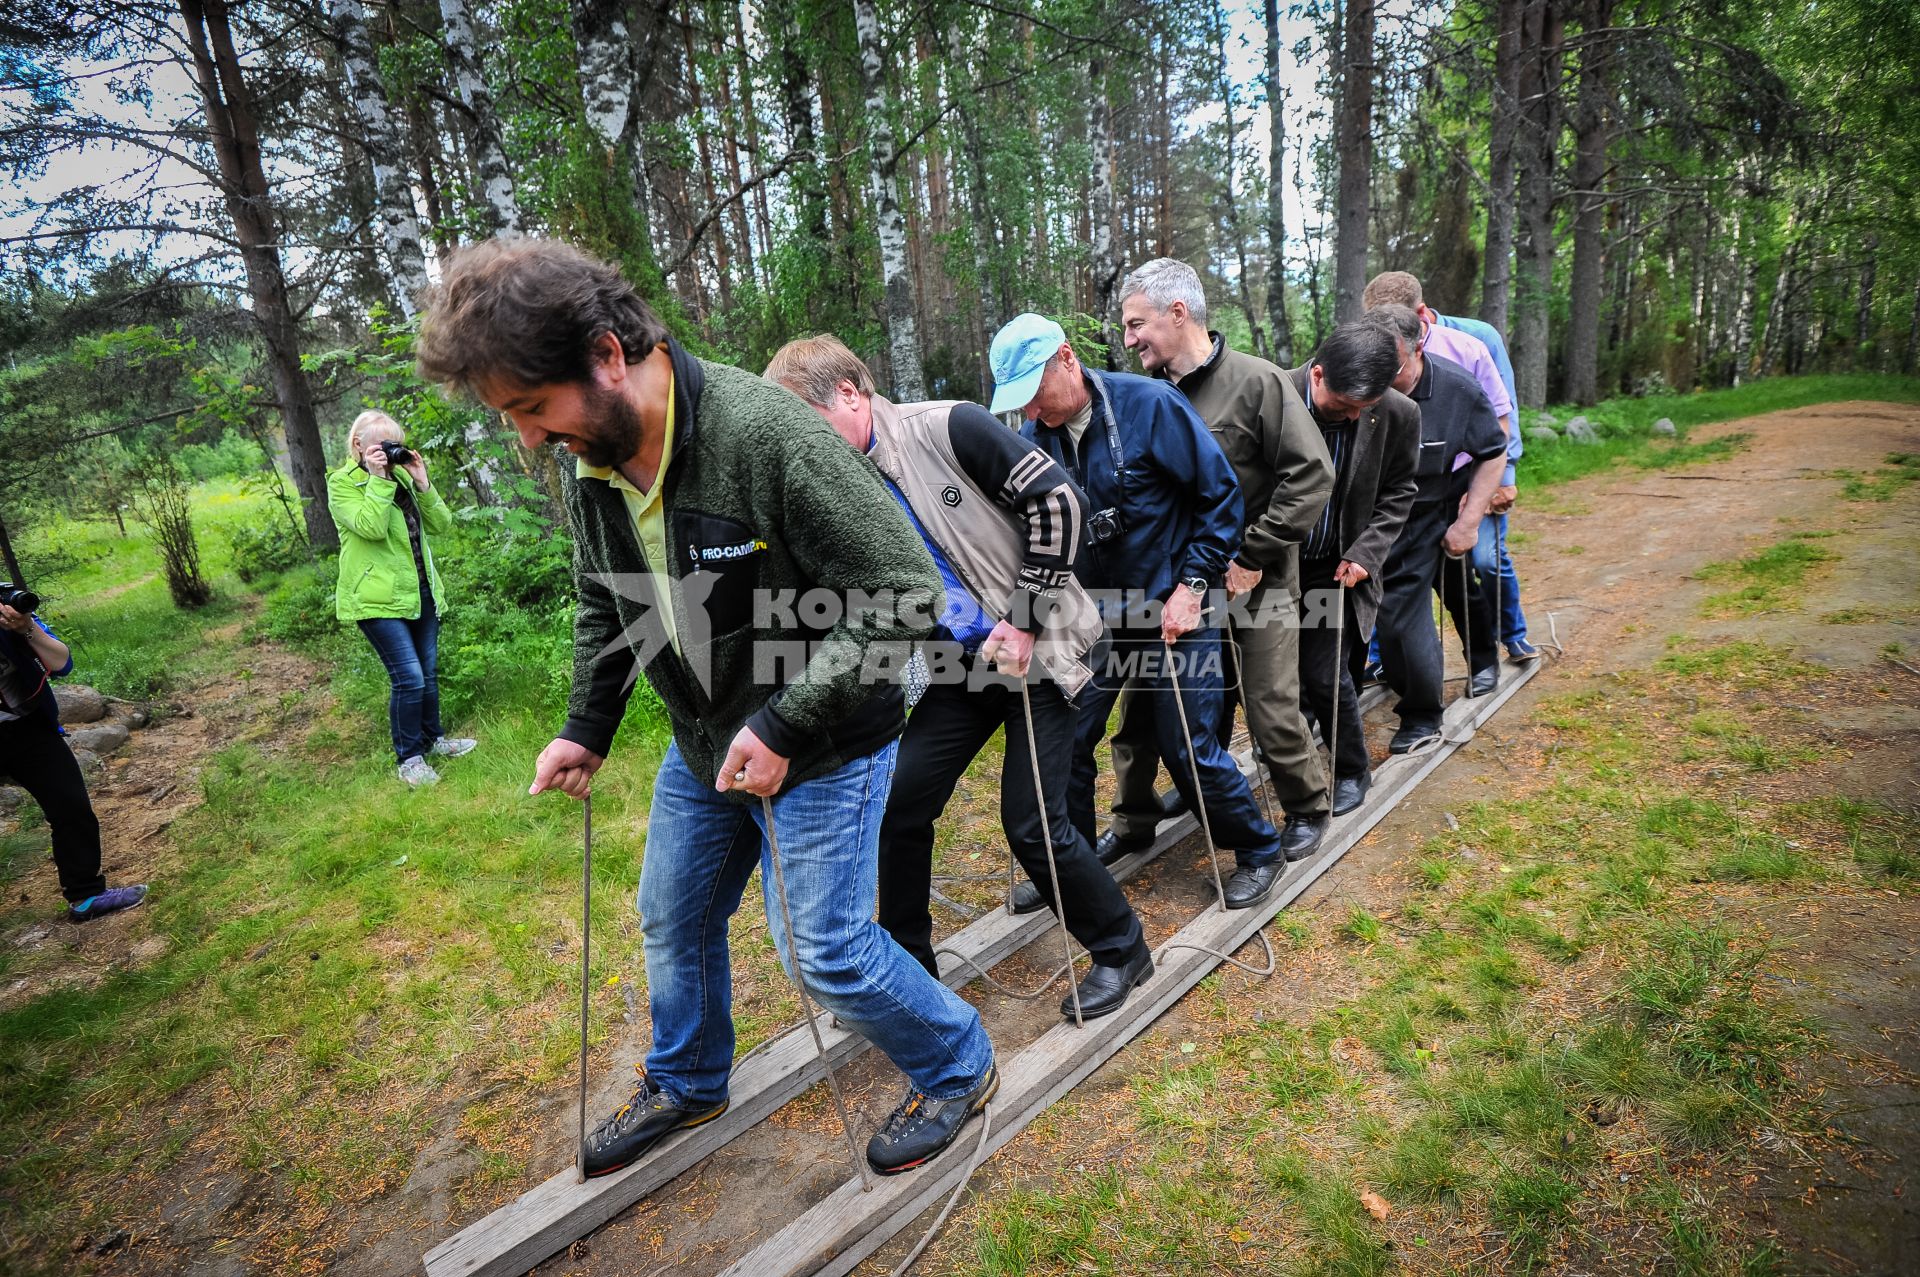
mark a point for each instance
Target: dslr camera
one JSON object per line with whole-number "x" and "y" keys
{"x": 398, "y": 454}
{"x": 19, "y": 598}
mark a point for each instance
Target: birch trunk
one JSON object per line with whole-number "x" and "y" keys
{"x": 1863, "y": 305}
{"x": 489, "y": 156}
{"x": 1354, "y": 144}
{"x": 1235, "y": 229}
{"x": 605, "y": 64}
{"x": 235, "y": 136}
{"x": 1276, "y": 189}
{"x": 399, "y": 223}
{"x": 1496, "y": 282}
{"x": 1106, "y": 271}
{"x": 903, "y": 339}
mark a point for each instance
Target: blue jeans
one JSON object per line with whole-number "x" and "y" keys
{"x": 411, "y": 651}
{"x": 1492, "y": 547}
{"x": 701, "y": 847}
{"x": 1232, "y": 813}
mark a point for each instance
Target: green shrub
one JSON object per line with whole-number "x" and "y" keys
{"x": 261, "y": 550}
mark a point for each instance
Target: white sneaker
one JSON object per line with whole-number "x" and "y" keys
{"x": 416, "y": 772}
{"x": 453, "y": 746}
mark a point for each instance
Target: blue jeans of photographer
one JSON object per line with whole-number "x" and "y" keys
{"x": 703, "y": 845}
{"x": 411, "y": 651}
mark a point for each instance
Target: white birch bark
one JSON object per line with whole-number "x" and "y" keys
{"x": 393, "y": 193}
{"x": 490, "y": 159}
{"x": 1106, "y": 272}
{"x": 903, "y": 338}
{"x": 608, "y": 83}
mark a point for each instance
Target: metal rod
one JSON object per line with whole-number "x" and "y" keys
{"x": 1193, "y": 764}
{"x": 586, "y": 931}
{"x": 1053, "y": 869}
{"x": 1339, "y": 664}
{"x": 806, "y": 1000}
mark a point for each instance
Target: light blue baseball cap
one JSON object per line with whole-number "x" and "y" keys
{"x": 1018, "y": 356}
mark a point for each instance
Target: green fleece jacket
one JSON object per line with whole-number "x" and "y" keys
{"x": 763, "y": 503}
{"x": 377, "y": 574}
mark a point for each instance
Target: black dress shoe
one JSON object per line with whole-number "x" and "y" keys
{"x": 1484, "y": 681}
{"x": 1350, "y": 791}
{"x": 638, "y": 1125}
{"x": 1300, "y": 836}
{"x": 1106, "y": 988}
{"x": 1171, "y": 804}
{"x": 1412, "y": 738}
{"x": 920, "y": 1126}
{"x": 1248, "y": 887}
{"x": 1112, "y": 846}
{"x": 1026, "y": 899}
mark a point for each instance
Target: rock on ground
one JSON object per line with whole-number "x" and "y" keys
{"x": 101, "y": 738}
{"x": 1664, "y": 426}
{"x": 79, "y": 703}
{"x": 1542, "y": 434}
{"x": 11, "y": 796}
{"x": 1580, "y": 430}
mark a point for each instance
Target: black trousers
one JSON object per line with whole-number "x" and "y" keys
{"x": 35, "y": 755}
{"x": 1326, "y": 674}
{"x": 944, "y": 733}
{"x": 1410, "y": 653}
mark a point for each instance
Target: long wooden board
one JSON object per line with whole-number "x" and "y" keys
{"x": 832, "y": 1238}
{"x": 556, "y": 1212}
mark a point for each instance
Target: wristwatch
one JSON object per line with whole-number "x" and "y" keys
{"x": 1198, "y": 585}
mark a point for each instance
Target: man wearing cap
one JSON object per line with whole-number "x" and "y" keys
{"x": 1164, "y": 521}
{"x": 1461, "y": 454}
{"x": 1003, "y": 523}
{"x": 1285, "y": 475}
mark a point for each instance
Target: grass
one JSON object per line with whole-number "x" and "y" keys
{"x": 1580, "y": 982}
{"x": 1900, "y": 469}
{"x": 1767, "y": 581}
{"x": 1625, "y": 425}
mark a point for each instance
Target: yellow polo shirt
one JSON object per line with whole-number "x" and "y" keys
{"x": 649, "y": 517}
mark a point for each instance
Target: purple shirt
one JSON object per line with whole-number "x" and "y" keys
{"x": 1472, "y": 354}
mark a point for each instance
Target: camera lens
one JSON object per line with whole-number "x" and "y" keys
{"x": 18, "y": 599}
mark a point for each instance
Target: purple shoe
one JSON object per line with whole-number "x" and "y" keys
{"x": 111, "y": 901}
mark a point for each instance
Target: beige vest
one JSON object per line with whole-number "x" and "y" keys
{"x": 983, "y": 541}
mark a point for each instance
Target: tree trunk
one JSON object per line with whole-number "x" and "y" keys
{"x": 1863, "y": 304}
{"x": 1541, "y": 32}
{"x": 1912, "y": 363}
{"x": 12, "y": 564}
{"x": 1106, "y": 271}
{"x": 489, "y": 156}
{"x": 903, "y": 338}
{"x": 763, "y": 220}
{"x": 605, "y": 65}
{"x": 1354, "y": 145}
{"x": 1772, "y": 336}
{"x": 399, "y": 224}
{"x": 1589, "y": 204}
{"x": 1496, "y": 283}
{"x": 1276, "y": 188}
{"x": 243, "y": 182}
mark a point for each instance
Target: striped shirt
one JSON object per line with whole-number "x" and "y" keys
{"x": 1322, "y": 544}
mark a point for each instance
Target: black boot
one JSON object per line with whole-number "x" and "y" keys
{"x": 1248, "y": 887}
{"x": 1300, "y": 836}
{"x": 1350, "y": 791}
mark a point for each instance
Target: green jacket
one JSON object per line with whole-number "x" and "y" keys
{"x": 763, "y": 503}
{"x": 377, "y": 575}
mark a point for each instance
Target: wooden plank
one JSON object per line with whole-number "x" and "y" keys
{"x": 552, "y": 1214}
{"x": 833, "y": 1237}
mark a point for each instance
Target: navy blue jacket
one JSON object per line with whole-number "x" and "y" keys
{"x": 1175, "y": 491}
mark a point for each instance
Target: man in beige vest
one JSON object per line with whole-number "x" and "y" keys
{"x": 1004, "y": 524}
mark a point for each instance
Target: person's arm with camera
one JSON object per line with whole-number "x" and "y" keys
{"x": 48, "y": 650}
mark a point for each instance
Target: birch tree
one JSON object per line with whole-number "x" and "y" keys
{"x": 1353, "y": 143}
{"x": 399, "y": 224}
{"x": 1276, "y": 189}
{"x": 489, "y": 156}
{"x": 1106, "y": 271}
{"x": 903, "y": 339}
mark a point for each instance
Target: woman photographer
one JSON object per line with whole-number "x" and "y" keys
{"x": 386, "y": 508}
{"x": 36, "y": 756}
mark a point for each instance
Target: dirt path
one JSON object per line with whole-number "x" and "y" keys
{"x": 1612, "y": 559}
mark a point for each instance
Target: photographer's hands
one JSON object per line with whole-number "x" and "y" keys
{"x": 374, "y": 458}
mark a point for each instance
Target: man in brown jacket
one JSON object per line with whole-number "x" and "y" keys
{"x": 1285, "y": 476}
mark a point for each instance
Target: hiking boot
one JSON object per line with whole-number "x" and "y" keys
{"x": 1519, "y": 651}
{"x": 916, "y": 1131}
{"x": 639, "y": 1124}
{"x": 112, "y": 900}
{"x": 416, "y": 772}
{"x": 453, "y": 746}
